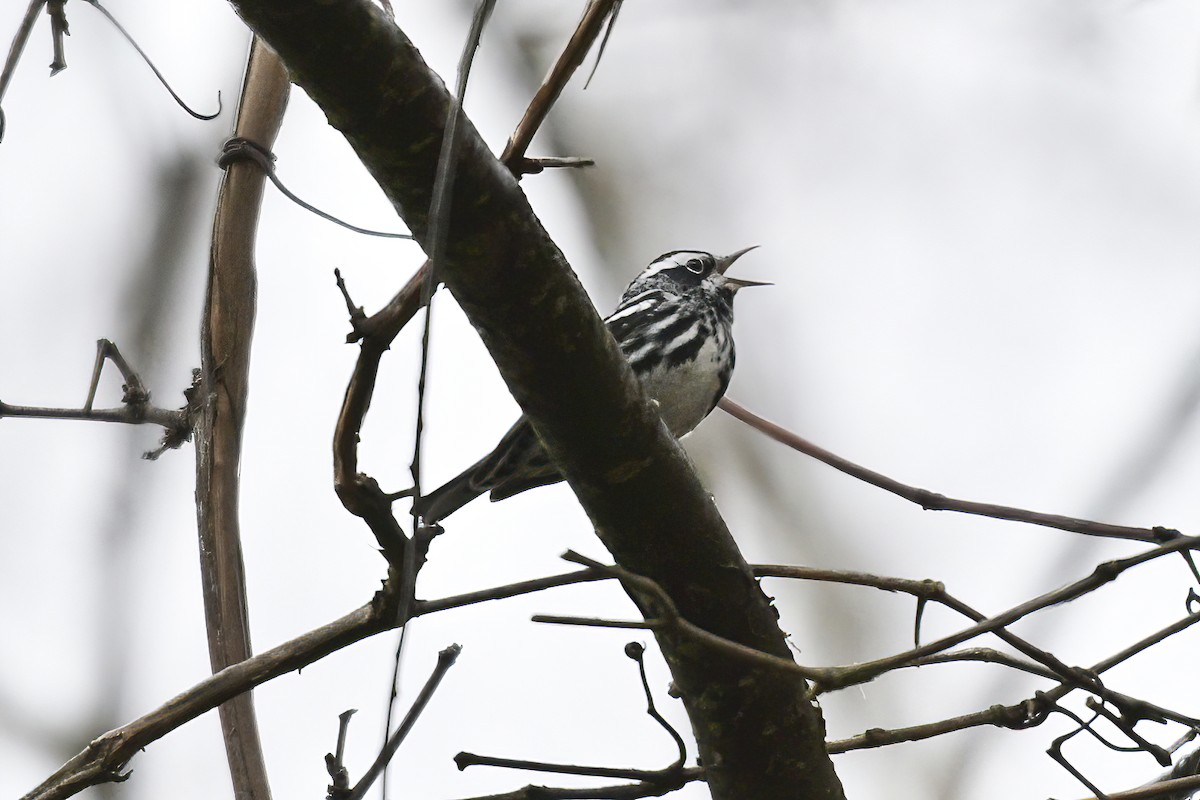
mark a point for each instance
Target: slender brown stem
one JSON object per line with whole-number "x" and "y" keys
{"x": 227, "y": 333}
{"x": 932, "y": 501}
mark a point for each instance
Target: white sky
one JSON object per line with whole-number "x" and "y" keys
{"x": 981, "y": 220}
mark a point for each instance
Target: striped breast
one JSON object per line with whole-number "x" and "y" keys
{"x": 680, "y": 348}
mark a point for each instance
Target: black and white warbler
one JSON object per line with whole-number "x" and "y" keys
{"x": 674, "y": 324}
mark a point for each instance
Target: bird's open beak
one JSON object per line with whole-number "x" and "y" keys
{"x": 724, "y": 262}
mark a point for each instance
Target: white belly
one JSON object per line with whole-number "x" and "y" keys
{"x": 685, "y": 393}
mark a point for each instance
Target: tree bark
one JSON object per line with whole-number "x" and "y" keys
{"x": 759, "y": 734}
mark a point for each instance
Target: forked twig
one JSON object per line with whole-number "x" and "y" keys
{"x": 135, "y": 409}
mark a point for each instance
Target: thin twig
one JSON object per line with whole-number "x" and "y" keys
{"x": 59, "y": 30}
{"x": 629, "y": 791}
{"x": 1173, "y": 789}
{"x": 668, "y": 617}
{"x": 986, "y": 655}
{"x": 421, "y": 607}
{"x": 931, "y": 501}
{"x": 446, "y": 659}
{"x": 1027, "y": 713}
{"x": 464, "y": 760}
{"x": 136, "y": 408}
{"x": 1072, "y": 678}
{"x": 147, "y": 415}
{"x": 135, "y": 393}
{"x": 637, "y": 652}
{"x": 439, "y": 229}
{"x": 654, "y": 624}
{"x": 1102, "y": 574}
{"x": 439, "y": 222}
{"x": 533, "y": 166}
{"x": 1015, "y": 716}
{"x": 335, "y": 763}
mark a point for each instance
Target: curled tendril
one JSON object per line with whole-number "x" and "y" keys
{"x": 161, "y": 79}
{"x": 238, "y": 148}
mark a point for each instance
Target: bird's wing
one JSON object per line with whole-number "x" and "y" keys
{"x": 635, "y": 312}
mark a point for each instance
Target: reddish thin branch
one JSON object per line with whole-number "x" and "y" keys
{"x": 932, "y": 501}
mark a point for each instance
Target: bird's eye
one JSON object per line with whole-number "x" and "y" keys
{"x": 695, "y": 266}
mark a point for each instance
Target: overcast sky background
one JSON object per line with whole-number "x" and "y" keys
{"x": 981, "y": 220}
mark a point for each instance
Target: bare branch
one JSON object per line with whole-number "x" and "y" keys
{"x": 1172, "y": 789}
{"x": 623, "y": 792}
{"x": 171, "y": 419}
{"x": 1033, "y": 711}
{"x": 1015, "y": 716}
{"x": 931, "y": 501}
{"x": 335, "y": 762}
{"x": 637, "y": 651}
{"x": 421, "y": 607}
{"x": 464, "y": 760}
{"x": 662, "y": 615}
{"x": 843, "y": 676}
{"x": 136, "y": 408}
{"x": 986, "y": 655}
{"x": 446, "y": 660}
{"x": 104, "y": 758}
{"x": 59, "y": 30}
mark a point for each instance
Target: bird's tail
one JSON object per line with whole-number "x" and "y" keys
{"x": 449, "y": 497}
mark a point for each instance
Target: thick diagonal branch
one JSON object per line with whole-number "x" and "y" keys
{"x": 758, "y": 735}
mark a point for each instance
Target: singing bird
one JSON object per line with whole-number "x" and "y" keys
{"x": 675, "y": 326}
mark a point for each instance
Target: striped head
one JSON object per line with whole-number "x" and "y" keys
{"x": 691, "y": 272}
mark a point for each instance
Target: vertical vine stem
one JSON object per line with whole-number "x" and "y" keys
{"x": 226, "y": 335}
